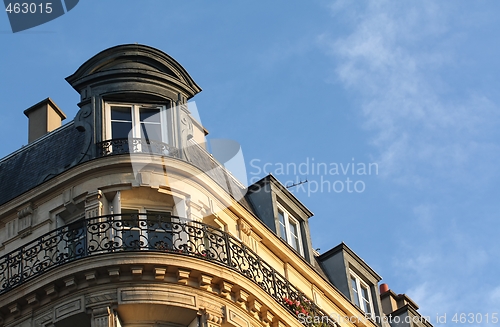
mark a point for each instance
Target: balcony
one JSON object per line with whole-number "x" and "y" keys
{"x": 135, "y": 145}
{"x": 159, "y": 233}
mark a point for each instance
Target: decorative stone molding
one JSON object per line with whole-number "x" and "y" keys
{"x": 205, "y": 282}
{"x": 43, "y": 319}
{"x": 242, "y": 298}
{"x": 245, "y": 227}
{"x": 225, "y": 289}
{"x": 103, "y": 317}
{"x": 69, "y": 308}
{"x": 183, "y": 276}
{"x": 114, "y": 272}
{"x": 32, "y": 299}
{"x": 236, "y": 319}
{"x": 156, "y": 295}
{"x": 93, "y": 204}
{"x": 68, "y": 199}
{"x": 101, "y": 299}
{"x": 267, "y": 317}
{"x": 194, "y": 210}
{"x": 70, "y": 282}
{"x": 91, "y": 276}
{"x": 210, "y": 318}
{"x": 136, "y": 271}
{"x": 25, "y": 218}
{"x": 160, "y": 273}
{"x": 255, "y": 307}
{"x": 51, "y": 290}
{"x": 15, "y": 309}
{"x": 245, "y": 233}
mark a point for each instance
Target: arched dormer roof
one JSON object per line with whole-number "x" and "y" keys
{"x": 133, "y": 61}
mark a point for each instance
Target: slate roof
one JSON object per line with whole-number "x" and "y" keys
{"x": 203, "y": 160}
{"x": 52, "y": 154}
{"x": 39, "y": 161}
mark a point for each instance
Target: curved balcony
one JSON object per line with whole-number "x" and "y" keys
{"x": 135, "y": 145}
{"x": 141, "y": 232}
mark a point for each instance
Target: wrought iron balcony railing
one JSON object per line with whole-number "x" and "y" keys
{"x": 141, "y": 232}
{"x": 135, "y": 145}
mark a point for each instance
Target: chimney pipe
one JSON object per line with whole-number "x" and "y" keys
{"x": 383, "y": 288}
{"x": 43, "y": 117}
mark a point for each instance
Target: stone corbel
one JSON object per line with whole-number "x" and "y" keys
{"x": 245, "y": 227}
{"x": 245, "y": 232}
{"x": 25, "y": 219}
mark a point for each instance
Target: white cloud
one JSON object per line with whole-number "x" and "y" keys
{"x": 390, "y": 59}
{"x": 430, "y": 132}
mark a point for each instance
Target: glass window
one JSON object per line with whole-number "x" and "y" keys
{"x": 294, "y": 234}
{"x": 131, "y": 235}
{"x": 121, "y": 122}
{"x": 355, "y": 294}
{"x": 361, "y": 294}
{"x": 289, "y": 229}
{"x": 366, "y": 299}
{"x": 147, "y": 122}
{"x": 150, "y": 124}
{"x": 281, "y": 219}
{"x": 147, "y": 229}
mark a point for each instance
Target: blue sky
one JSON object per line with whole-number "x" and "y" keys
{"x": 409, "y": 86}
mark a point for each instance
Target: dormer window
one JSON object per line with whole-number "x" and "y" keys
{"x": 139, "y": 121}
{"x": 361, "y": 294}
{"x": 289, "y": 229}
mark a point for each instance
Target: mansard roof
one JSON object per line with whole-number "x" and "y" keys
{"x": 133, "y": 61}
{"x": 39, "y": 161}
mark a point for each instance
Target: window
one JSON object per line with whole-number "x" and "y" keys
{"x": 147, "y": 228}
{"x": 289, "y": 229}
{"x": 139, "y": 121}
{"x": 361, "y": 294}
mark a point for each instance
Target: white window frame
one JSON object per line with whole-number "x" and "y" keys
{"x": 359, "y": 284}
{"x": 165, "y": 119}
{"x": 289, "y": 218}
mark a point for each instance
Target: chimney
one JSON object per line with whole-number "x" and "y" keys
{"x": 43, "y": 117}
{"x": 392, "y": 301}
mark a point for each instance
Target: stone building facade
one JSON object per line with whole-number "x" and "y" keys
{"x": 122, "y": 218}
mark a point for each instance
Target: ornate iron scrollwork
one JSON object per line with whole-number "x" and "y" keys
{"x": 135, "y": 145}
{"x": 142, "y": 232}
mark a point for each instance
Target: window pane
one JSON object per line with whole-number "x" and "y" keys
{"x": 157, "y": 218}
{"x": 130, "y": 217}
{"x": 366, "y": 299}
{"x": 120, "y": 130}
{"x": 281, "y": 218}
{"x": 150, "y": 115}
{"x": 131, "y": 234}
{"x": 121, "y": 113}
{"x": 293, "y": 228}
{"x": 159, "y": 230}
{"x": 151, "y": 131}
{"x": 355, "y": 291}
{"x": 294, "y": 242}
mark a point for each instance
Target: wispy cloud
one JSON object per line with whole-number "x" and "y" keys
{"x": 393, "y": 58}
{"x": 429, "y": 132}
